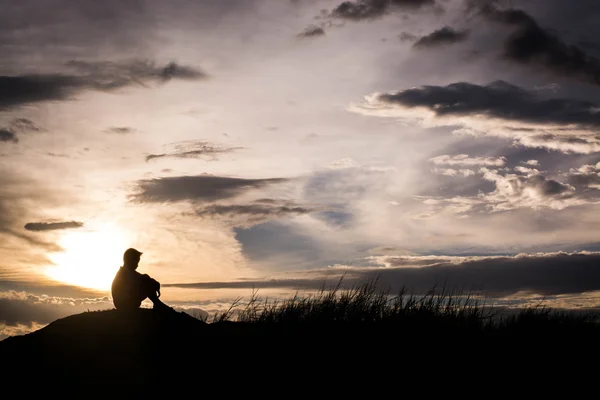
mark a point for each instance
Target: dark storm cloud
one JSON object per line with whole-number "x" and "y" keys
{"x": 6, "y": 135}
{"x": 498, "y": 99}
{"x": 193, "y": 149}
{"x": 440, "y": 37}
{"x": 544, "y": 274}
{"x": 534, "y": 45}
{"x": 100, "y": 76}
{"x": 52, "y": 226}
{"x": 120, "y": 130}
{"x": 196, "y": 188}
{"x": 312, "y": 31}
{"x": 370, "y": 9}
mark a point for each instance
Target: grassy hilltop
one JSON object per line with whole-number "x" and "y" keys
{"x": 359, "y": 331}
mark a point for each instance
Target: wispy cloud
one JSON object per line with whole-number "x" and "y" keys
{"x": 465, "y": 160}
{"x": 120, "y": 130}
{"x": 82, "y": 75}
{"x": 312, "y": 31}
{"x": 193, "y": 149}
{"x": 17, "y": 126}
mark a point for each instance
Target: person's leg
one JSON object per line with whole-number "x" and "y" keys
{"x": 149, "y": 291}
{"x": 156, "y": 301}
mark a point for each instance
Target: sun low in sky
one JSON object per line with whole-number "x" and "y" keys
{"x": 282, "y": 144}
{"x": 89, "y": 259}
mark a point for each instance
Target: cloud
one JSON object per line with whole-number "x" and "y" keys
{"x": 538, "y": 273}
{"x": 52, "y": 226}
{"x": 512, "y": 191}
{"x": 108, "y": 75}
{"x": 534, "y": 163}
{"x": 587, "y": 176}
{"x": 440, "y": 37}
{"x": 526, "y": 171}
{"x": 196, "y": 188}
{"x": 532, "y": 45}
{"x": 407, "y": 37}
{"x": 23, "y": 312}
{"x": 371, "y": 9}
{"x": 6, "y": 135}
{"x": 312, "y": 31}
{"x": 99, "y": 76}
{"x": 453, "y": 172}
{"x": 498, "y": 99}
{"x": 17, "y": 126}
{"x": 464, "y": 159}
{"x": 18, "y": 329}
{"x": 193, "y": 149}
{"x": 246, "y": 215}
{"x": 497, "y": 109}
{"x": 24, "y": 125}
{"x": 535, "y": 191}
{"x": 121, "y": 130}
{"x": 343, "y": 163}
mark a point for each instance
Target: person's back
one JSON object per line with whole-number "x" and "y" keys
{"x": 126, "y": 289}
{"x": 129, "y": 287}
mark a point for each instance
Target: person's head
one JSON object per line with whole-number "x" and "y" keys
{"x": 131, "y": 258}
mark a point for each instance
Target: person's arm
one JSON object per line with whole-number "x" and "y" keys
{"x": 154, "y": 281}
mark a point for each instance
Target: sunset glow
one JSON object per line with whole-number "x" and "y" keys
{"x": 90, "y": 258}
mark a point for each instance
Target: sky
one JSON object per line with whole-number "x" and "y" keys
{"x": 278, "y": 146}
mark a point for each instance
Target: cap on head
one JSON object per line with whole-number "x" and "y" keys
{"x": 131, "y": 256}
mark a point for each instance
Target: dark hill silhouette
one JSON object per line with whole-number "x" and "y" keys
{"x": 351, "y": 344}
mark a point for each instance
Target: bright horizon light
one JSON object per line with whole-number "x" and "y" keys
{"x": 90, "y": 258}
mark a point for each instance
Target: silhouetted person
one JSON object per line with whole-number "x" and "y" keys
{"x": 130, "y": 288}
